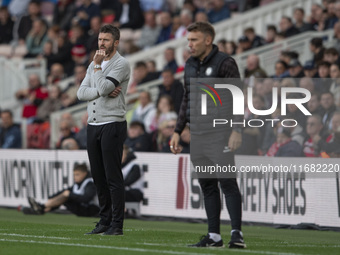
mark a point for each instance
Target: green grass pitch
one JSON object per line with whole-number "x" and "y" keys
{"x": 56, "y": 234}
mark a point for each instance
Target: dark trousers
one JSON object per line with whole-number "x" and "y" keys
{"x": 105, "y": 148}
{"x": 209, "y": 150}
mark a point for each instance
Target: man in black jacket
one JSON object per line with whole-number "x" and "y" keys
{"x": 206, "y": 61}
{"x": 78, "y": 199}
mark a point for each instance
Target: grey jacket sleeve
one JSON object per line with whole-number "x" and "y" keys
{"x": 85, "y": 91}
{"x": 118, "y": 73}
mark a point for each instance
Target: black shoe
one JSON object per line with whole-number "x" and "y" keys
{"x": 28, "y": 211}
{"x": 99, "y": 228}
{"x": 206, "y": 241}
{"x": 36, "y": 207}
{"x": 236, "y": 240}
{"x": 113, "y": 232}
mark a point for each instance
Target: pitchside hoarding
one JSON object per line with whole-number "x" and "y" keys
{"x": 278, "y": 195}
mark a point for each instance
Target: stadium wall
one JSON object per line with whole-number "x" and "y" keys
{"x": 298, "y": 195}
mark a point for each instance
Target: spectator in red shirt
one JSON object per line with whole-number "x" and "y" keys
{"x": 32, "y": 97}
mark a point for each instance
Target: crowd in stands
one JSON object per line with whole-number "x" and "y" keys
{"x": 67, "y": 39}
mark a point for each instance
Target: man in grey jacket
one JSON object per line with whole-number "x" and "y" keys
{"x": 104, "y": 88}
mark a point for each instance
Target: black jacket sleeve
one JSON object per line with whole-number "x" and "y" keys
{"x": 133, "y": 176}
{"x": 90, "y": 192}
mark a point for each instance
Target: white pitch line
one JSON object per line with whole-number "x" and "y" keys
{"x": 126, "y": 248}
{"x": 43, "y": 237}
{"x": 102, "y": 246}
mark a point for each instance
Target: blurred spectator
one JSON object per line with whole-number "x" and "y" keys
{"x": 84, "y": 13}
{"x": 307, "y": 83}
{"x": 152, "y": 68}
{"x": 310, "y": 70}
{"x": 150, "y": 31}
{"x": 169, "y": 56}
{"x": 221, "y": 44}
{"x": 330, "y": 22}
{"x": 145, "y": 110}
{"x": 176, "y": 24}
{"x": 254, "y": 68}
{"x": 165, "y": 111}
{"x": 185, "y": 56}
{"x": 81, "y": 136}
{"x": 314, "y": 128}
{"x": 63, "y": 13}
{"x": 252, "y": 136}
{"x": 201, "y": 17}
{"x": 186, "y": 18}
{"x": 6, "y": 26}
{"x": 50, "y": 104}
{"x": 255, "y": 40}
{"x": 137, "y": 139}
{"x": 69, "y": 144}
{"x": 26, "y": 22}
{"x": 10, "y": 133}
{"x": 93, "y": 33}
{"x": 191, "y": 6}
{"x": 32, "y": 97}
{"x": 313, "y": 105}
{"x": 335, "y": 86}
{"x": 328, "y": 107}
{"x": 316, "y": 47}
{"x": 293, "y": 112}
{"x": 336, "y": 30}
{"x": 284, "y": 145}
{"x": 271, "y": 33}
{"x": 324, "y": 83}
{"x": 300, "y": 24}
{"x": 316, "y": 18}
{"x": 166, "y": 26}
{"x": 165, "y": 130}
{"x": 48, "y": 54}
{"x": 270, "y": 129}
{"x": 129, "y": 14}
{"x": 244, "y": 44}
{"x": 140, "y": 75}
{"x": 56, "y": 74}
{"x": 133, "y": 176}
{"x": 287, "y": 56}
{"x": 68, "y": 117}
{"x": 78, "y": 54}
{"x": 331, "y": 55}
{"x": 171, "y": 87}
{"x": 230, "y": 47}
{"x": 69, "y": 94}
{"x": 65, "y": 128}
{"x": 77, "y": 35}
{"x": 218, "y": 11}
{"x": 332, "y": 136}
{"x": 295, "y": 69}
{"x": 287, "y": 27}
{"x": 281, "y": 69}
{"x": 36, "y": 39}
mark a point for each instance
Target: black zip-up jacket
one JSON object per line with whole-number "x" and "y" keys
{"x": 216, "y": 65}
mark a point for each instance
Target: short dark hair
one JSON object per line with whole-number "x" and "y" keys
{"x": 81, "y": 167}
{"x": 332, "y": 51}
{"x": 137, "y": 123}
{"x": 249, "y": 30}
{"x": 272, "y": 27}
{"x": 7, "y": 111}
{"x": 300, "y": 10}
{"x": 316, "y": 41}
{"x": 140, "y": 64}
{"x": 324, "y": 63}
{"x": 108, "y": 28}
{"x": 204, "y": 27}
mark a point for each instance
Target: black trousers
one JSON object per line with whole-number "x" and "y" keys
{"x": 208, "y": 150}
{"x": 105, "y": 148}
